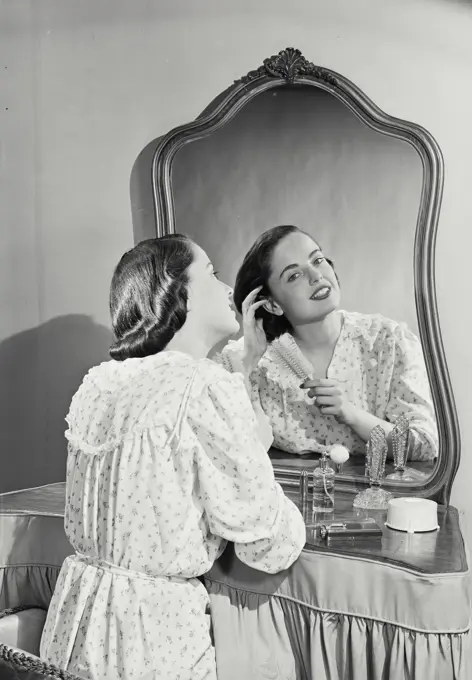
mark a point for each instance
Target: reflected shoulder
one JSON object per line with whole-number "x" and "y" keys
{"x": 375, "y": 325}
{"x": 214, "y": 372}
{"x": 234, "y": 346}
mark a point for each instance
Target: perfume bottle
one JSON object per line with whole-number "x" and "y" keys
{"x": 375, "y": 498}
{"x": 323, "y": 486}
{"x": 402, "y": 439}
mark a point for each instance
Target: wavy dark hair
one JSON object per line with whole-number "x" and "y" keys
{"x": 148, "y": 296}
{"x": 256, "y": 270}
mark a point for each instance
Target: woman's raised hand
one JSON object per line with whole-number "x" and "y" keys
{"x": 255, "y": 341}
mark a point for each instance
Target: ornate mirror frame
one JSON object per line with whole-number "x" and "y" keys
{"x": 289, "y": 68}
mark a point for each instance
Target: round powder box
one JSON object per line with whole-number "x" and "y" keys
{"x": 413, "y": 515}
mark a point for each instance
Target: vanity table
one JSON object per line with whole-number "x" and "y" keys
{"x": 396, "y": 607}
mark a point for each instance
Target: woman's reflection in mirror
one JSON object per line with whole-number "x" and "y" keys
{"x": 323, "y": 375}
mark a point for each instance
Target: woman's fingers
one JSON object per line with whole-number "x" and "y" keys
{"x": 318, "y": 382}
{"x": 328, "y": 407}
{"x": 247, "y": 302}
{"x": 330, "y": 410}
{"x": 250, "y": 311}
{"x": 327, "y": 401}
{"x": 324, "y": 392}
{"x": 256, "y": 305}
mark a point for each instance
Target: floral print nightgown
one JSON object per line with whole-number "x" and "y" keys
{"x": 165, "y": 465}
{"x": 381, "y": 365}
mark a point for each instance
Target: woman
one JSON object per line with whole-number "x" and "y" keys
{"x": 165, "y": 464}
{"x": 324, "y": 376}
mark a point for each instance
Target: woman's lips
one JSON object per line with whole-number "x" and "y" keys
{"x": 322, "y": 293}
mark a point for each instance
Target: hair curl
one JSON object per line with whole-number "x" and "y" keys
{"x": 148, "y": 296}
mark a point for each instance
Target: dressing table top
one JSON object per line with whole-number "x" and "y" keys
{"x": 436, "y": 552}
{"x": 442, "y": 551}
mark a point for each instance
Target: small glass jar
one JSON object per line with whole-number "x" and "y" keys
{"x": 323, "y": 486}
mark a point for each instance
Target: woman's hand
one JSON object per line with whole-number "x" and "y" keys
{"x": 329, "y": 396}
{"x": 255, "y": 341}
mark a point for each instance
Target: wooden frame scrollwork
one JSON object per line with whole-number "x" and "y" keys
{"x": 289, "y": 68}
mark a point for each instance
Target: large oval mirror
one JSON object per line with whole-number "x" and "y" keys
{"x": 294, "y": 144}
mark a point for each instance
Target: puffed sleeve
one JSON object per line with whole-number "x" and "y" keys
{"x": 410, "y": 395}
{"x": 235, "y": 480}
{"x": 231, "y": 358}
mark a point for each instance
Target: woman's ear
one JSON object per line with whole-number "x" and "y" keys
{"x": 272, "y": 307}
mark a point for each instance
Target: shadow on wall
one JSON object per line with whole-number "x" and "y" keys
{"x": 41, "y": 369}
{"x": 142, "y": 204}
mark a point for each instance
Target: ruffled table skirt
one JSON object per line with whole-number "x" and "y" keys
{"x": 33, "y": 545}
{"x": 31, "y": 585}
{"x": 332, "y": 617}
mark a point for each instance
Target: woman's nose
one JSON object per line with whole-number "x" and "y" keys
{"x": 315, "y": 275}
{"x": 230, "y": 292}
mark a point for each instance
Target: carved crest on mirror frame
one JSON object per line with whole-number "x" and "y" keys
{"x": 290, "y": 68}
{"x": 288, "y": 65}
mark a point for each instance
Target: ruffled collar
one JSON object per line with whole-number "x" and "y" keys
{"x": 360, "y": 325}
{"x": 111, "y": 375}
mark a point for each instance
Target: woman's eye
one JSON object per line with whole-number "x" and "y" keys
{"x": 215, "y": 273}
{"x": 293, "y": 277}
{"x": 319, "y": 260}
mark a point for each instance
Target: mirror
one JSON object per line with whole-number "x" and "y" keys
{"x": 293, "y": 144}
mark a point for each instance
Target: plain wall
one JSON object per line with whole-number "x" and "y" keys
{"x": 86, "y": 85}
{"x": 300, "y": 156}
